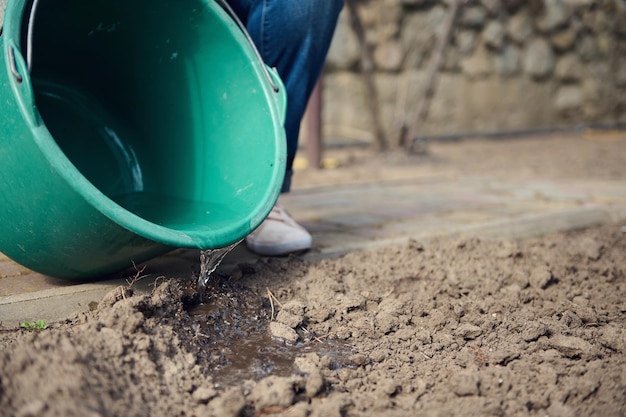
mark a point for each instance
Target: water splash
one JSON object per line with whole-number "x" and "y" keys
{"x": 210, "y": 259}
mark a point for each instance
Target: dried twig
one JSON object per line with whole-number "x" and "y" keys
{"x": 408, "y": 132}
{"x": 307, "y": 331}
{"x": 269, "y": 296}
{"x": 131, "y": 281}
{"x": 367, "y": 64}
{"x": 155, "y": 284}
{"x": 273, "y": 300}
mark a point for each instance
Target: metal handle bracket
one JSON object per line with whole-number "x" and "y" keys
{"x": 13, "y": 65}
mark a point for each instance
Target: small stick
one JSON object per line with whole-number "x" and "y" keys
{"x": 410, "y": 125}
{"x": 307, "y": 331}
{"x": 273, "y": 300}
{"x": 269, "y": 296}
{"x": 131, "y": 281}
{"x": 367, "y": 63}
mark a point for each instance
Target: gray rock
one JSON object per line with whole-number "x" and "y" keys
{"x": 493, "y": 35}
{"x": 508, "y": 62}
{"x": 466, "y": 41}
{"x": 569, "y": 68}
{"x": 539, "y": 59}
{"x": 478, "y": 65}
{"x": 555, "y": 15}
{"x": 587, "y": 48}
{"x": 520, "y": 27}
{"x": 569, "y": 97}
{"x": 473, "y": 17}
{"x": 381, "y": 20}
{"x": 492, "y": 6}
{"x": 564, "y": 39}
{"x": 388, "y": 56}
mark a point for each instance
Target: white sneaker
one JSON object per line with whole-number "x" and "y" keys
{"x": 279, "y": 234}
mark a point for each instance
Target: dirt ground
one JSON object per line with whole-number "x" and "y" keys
{"x": 447, "y": 327}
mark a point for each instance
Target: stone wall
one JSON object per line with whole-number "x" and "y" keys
{"x": 510, "y": 65}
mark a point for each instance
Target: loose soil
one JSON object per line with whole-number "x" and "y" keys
{"x": 446, "y": 327}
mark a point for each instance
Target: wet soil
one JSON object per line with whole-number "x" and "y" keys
{"x": 446, "y": 327}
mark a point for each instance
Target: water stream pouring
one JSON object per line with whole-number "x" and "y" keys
{"x": 141, "y": 126}
{"x": 210, "y": 259}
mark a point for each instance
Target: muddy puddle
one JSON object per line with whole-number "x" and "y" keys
{"x": 231, "y": 324}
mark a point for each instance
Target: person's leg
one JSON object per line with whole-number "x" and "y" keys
{"x": 293, "y": 36}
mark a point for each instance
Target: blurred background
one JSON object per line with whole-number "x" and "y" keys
{"x": 440, "y": 68}
{"x": 404, "y": 69}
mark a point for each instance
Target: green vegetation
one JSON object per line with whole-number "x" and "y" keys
{"x": 35, "y": 325}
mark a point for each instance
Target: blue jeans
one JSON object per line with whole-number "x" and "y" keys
{"x": 293, "y": 36}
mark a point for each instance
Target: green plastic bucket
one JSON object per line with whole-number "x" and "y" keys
{"x": 130, "y": 128}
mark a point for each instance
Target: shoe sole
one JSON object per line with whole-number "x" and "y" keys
{"x": 281, "y": 249}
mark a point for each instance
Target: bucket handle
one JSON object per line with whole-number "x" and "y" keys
{"x": 29, "y": 35}
{"x": 226, "y": 7}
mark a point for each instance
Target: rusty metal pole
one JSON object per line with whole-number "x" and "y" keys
{"x": 314, "y": 128}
